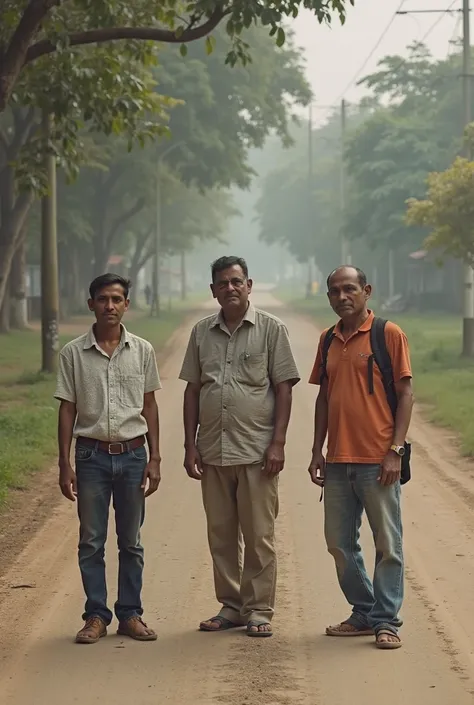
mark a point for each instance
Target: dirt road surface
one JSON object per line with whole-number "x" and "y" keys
{"x": 39, "y": 663}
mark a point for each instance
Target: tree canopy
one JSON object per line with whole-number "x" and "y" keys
{"x": 31, "y": 29}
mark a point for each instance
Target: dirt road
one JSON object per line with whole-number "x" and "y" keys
{"x": 39, "y": 663}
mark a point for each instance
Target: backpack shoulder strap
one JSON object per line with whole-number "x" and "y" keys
{"x": 328, "y": 338}
{"x": 383, "y": 361}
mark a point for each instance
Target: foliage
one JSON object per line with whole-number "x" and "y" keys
{"x": 448, "y": 211}
{"x": 31, "y": 29}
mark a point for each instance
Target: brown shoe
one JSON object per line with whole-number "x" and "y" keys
{"x": 136, "y": 629}
{"x": 93, "y": 630}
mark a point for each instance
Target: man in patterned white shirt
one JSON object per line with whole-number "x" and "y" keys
{"x": 106, "y": 384}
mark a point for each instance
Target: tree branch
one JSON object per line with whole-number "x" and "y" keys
{"x": 124, "y": 218}
{"x": 111, "y": 34}
{"x": 15, "y": 56}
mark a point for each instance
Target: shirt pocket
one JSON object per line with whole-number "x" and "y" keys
{"x": 132, "y": 390}
{"x": 252, "y": 369}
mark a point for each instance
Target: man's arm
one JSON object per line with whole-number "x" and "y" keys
{"x": 67, "y": 476}
{"x": 275, "y": 454}
{"x": 152, "y": 473}
{"x": 318, "y": 464}
{"x": 192, "y": 459}
{"x": 404, "y": 390}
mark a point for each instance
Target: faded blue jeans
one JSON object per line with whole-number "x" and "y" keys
{"x": 349, "y": 490}
{"x": 100, "y": 477}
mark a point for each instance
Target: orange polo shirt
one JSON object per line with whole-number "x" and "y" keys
{"x": 360, "y": 425}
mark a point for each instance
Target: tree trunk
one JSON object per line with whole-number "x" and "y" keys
{"x": 13, "y": 217}
{"x": 5, "y": 311}
{"x": 18, "y": 300}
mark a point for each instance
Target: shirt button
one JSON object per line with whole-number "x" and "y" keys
{"x": 344, "y": 350}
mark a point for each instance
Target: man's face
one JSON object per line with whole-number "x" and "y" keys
{"x": 109, "y": 305}
{"x": 346, "y": 296}
{"x": 231, "y": 289}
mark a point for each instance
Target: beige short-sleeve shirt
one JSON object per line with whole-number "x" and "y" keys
{"x": 108, "y": 391}
{"x": 238, "y": 374}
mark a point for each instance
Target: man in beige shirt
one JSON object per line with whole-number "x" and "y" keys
{"x": 240, "y": 372}
{"x": 106, "y": 384}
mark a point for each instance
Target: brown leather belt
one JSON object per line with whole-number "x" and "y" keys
{"x": 116, "y": 448}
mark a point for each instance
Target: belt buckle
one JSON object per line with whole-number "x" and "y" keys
{"x": 116, "y": 444}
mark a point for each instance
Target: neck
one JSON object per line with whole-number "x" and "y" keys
{"x": 234, "y": 316}
{"x": 108, "y": 334}
{"x": 350, "y": 325}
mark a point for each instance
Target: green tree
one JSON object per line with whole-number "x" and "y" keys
{"x": 30, "y": 29}
{"x": 109, "y": 91}
{"x": 447, "y": 211}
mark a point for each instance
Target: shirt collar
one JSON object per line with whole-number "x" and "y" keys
{"x": 367, "y": 324}
{"x": 91, "y": 340}
{"x": 249, "y": 316}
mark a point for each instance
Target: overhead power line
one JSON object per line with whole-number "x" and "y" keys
{"x": 372, "y": 52}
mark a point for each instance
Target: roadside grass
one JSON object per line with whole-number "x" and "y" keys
{"x": 28, "y": 411}
{"x": 443, "y": 380}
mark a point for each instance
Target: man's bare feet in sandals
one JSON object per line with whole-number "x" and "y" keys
{"x": 387, "y": 640}
{"x": 259, "y": 629}
{"x": 217, "y": 624}
{"x": 345, "y": 629}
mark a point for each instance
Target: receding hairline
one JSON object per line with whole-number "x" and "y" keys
{"x": 361, "y": 276}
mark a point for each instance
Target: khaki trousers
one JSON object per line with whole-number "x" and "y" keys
{"x": 241, "y": 505}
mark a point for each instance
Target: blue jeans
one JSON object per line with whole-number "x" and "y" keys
{"x": 349, "y": 489}
{"x": 101, "y": 476}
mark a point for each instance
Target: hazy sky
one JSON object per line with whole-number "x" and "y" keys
{"x": 335, "y": 55}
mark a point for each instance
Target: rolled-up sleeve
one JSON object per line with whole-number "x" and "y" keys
{"x": 281, "y": 363}
{"x": 65, "y": 383}
{"x": 152, "y": 377}
{"x": 191, "y": 368}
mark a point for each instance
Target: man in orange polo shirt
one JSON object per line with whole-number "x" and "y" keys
{"x": 361, "y": 470}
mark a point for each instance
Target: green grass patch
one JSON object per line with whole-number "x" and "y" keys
{"x": 28, "y": 412}
{"x": 443, "y": 379}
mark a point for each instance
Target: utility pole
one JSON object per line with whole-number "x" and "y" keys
{"x": 155, "y": 302}
{"x": 49, "y": 259}
{"x": 468, "y": 312}
{"x": 345, "y": 249}
{"x": 310, "y": 202}
{"x": 184, "y": 288}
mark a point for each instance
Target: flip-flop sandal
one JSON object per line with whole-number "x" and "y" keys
{"x": 254, "y": 623}
{"x": 357, "y": 631}
{"x": 387, "y": 645}
{"x": 224, "y": 624}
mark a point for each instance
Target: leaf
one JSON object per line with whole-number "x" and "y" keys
{"x": 280, "y": 37}
{"x": 209, "y": 47}
{"x": 183, "y": 50}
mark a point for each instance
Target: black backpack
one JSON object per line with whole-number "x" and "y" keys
{"x": 381, "y": 357}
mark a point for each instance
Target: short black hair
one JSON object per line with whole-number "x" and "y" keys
{"x": 225, "y": 262}
{"x": 361, "y": 276}
{"x": 107, "y": 280}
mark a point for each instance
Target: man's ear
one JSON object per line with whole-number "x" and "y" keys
{"x": 211, "y": 286}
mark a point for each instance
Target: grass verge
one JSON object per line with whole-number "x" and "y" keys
{"x": 443, "y": 380}
{"x": 28, "y": 412}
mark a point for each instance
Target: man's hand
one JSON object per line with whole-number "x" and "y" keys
{"x": 67, "y": 480}
{"x": 274, "y": 458}
{"x": 317, "y": 469}
{"x": 391, "y": 469}
{"x": 193, "y": 463}
{"x": 152, "y": 476}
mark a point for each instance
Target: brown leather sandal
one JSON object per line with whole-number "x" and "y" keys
{"x": 94, "y": 629}
{"x": 133, "y": 628}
